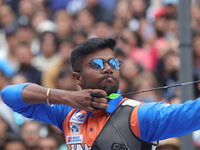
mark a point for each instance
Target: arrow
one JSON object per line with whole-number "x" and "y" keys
{"x": 114, "y": 95}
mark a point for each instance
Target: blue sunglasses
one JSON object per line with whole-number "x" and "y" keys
{"x": 99, "y": 64}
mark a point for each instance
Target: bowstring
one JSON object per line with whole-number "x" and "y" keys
{"x": 122, "y": 27}
{"x": 118, "y": 131}
{"x": 115, "y": 51}
{"x": 119, "y": 37}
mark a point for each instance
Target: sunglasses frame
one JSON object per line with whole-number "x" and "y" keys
{"x": 104, "y": 62}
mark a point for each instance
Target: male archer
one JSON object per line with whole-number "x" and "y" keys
{"x": 88, "y": 119}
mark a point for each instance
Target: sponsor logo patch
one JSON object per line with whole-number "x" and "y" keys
{"x": 74, "y": 139}
{"x": 74, "y": 128}
{"x": 78, "y": 117}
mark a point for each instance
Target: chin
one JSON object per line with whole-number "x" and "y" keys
{"x": 110, "y": 89}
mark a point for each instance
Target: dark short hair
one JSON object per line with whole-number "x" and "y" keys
{"x": 87, "y": 47}
{"x": 12, "y": 139}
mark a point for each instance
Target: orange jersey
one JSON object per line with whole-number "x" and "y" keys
{"x": 81, "y": 129}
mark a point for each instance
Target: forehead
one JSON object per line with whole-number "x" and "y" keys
{"x": 104, "y": 53}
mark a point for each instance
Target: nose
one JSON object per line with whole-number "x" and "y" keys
{"x": 107, "y": 69}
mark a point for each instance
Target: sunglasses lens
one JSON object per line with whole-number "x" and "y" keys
{"x": 97, "y": 64}
{"x": 115, "y": 63}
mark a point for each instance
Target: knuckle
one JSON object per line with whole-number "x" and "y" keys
{"x": 95, "y": 104}
{"x": 85, "y": 103}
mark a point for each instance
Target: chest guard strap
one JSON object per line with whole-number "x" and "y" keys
{"x": 123, "y": 138}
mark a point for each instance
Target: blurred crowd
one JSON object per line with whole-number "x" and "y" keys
{"x": 37, "y": 37}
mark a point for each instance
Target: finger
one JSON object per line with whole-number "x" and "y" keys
{"x": 90, "y": 109}
{"x": 102, "y": 92}
{"x": 100, "y": 100}
{"x": 97, "y": 105}
{"x": 92, "y": 104}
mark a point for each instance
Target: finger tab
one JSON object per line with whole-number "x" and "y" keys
{"x": 96, "y": 95}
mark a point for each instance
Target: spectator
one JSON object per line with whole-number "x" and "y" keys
{"x": 26, "y": 34}
{"x": 84, "y": 21}
{"x": 13, "y": 119}
{"x": 38, "y": 17}
{"x": 129, "y": 71}
{"x": 3, "y": 80}
{"x": 13, "y": 4}
{"x": 30, "y": 133}
{"x": 138, "y": 8}
{"x": 195, "y": 17}
{"x": 130, "y": 40}
{"x": 143, "y": 81}
{"x": 50, "y": 76}
{"x": 7, "y": 16}
{"x": 167, "y": 73}
{"x": 4, "y": 127}
{"x": 14, "y": 143}
{"x": 56, "y": 133}
{"x": 65, "y": 81}
{"x": 73, "y": 7}
{"x": 25, "y": 57}
{"x": 101, "y": 29}
{"x": 161, "y": 22}
{"x": 79, "y": 36}
{"x": 121, "y": 9}
{"x": 18, "y": 78}
{"x": 64, "y": 22}
{"x": 26, "y": 9}
{"x": 144, "y": 54}
{"x": 48, "y": 143}
{"x": 48, "y": 52}
{"x": 171, "y": 8}
{"x": 9, "y": 63}
{"x": 116, "y": 26}
{"x": 46, "y": 26}
{"x": 196, "y": 62}
{"x": 100, "y": 12}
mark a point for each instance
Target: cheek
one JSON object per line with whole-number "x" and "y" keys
{"x": 90, "y": 80}
{"x": 117, "y": 74}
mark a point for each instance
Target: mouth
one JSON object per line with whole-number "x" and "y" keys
{"x": 109, "y": 84}
{"x": 108, "y": 79}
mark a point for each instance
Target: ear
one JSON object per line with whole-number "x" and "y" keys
{"x": 77, "y": 77}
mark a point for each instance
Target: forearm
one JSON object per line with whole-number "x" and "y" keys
{"x": 22, "y": 95}
{"x": 36, "y": 94}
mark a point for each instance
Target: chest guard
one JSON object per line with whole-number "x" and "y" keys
{"x": 117, "y": 133}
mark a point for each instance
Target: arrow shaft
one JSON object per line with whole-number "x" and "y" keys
{"x": 160, "y": 88}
